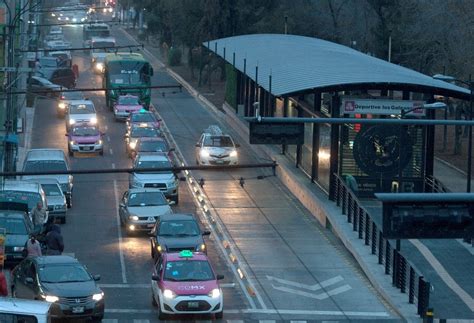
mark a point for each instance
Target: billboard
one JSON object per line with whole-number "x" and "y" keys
{"x": 354, "y": 106}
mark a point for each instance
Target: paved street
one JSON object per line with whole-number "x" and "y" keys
{"x": 292, "y": 267}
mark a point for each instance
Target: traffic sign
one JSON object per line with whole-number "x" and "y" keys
{"x": 14, "y": 69}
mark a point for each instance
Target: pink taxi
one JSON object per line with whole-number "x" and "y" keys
{"x": 125, "y": 105}
{"x": 185, "y": 283}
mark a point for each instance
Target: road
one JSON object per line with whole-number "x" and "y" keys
{"x": 292, "y": 268}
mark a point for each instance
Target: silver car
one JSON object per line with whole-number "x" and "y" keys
{"x": 82, "y": 111}
{"x": 165, "y": 180}
{"x": 57, "y": 205}
{"x": 140, "y": 208}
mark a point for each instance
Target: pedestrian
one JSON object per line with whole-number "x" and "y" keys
{"x": 3, "y": 283}
{"x": 38, "y": 215}
{"x": 54, "y": 241}
{"x": 37, "y": 65}
{"x": 33, "y": 248}
{"x": 75, "y": 69}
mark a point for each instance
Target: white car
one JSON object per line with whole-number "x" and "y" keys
{"x": 81, "y": 111}
{"x": 216, "y": 148}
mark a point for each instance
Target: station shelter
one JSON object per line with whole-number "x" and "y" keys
{"x": 297, "y": 76}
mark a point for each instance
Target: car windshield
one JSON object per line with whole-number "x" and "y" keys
{"x": 128, "y": 100}
{"x": 142, "y": 117}
{"x": 63, "y": 273}
{"x": 72, "y": 96}
{"x": 51, "y": 189}
{"x": 85, "y": 131}
{"x": 13, "y": 225}
{"x": 147, "y": 199}
{"x": 179, "y": 228}
{"x": 48, "y": 62}
{"x": 81, "y": 109}
{"x": 153, "y": 146}
{"x": 145, "y": 132}
{"x": 188, "y": 270}
{"x": 45, "y": 165}
{"x": 154, "y": 164}
{"x": 218, "y": 141}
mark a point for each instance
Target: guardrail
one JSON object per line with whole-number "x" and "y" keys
{"x": 405, "y": 276}
{"x": 434, "y": 185}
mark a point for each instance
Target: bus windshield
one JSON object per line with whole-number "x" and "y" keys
{"x": 128, "y": 72}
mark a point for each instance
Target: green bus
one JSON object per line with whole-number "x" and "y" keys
{"x": 127, "y": 70}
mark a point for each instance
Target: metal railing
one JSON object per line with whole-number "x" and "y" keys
{"x": 434, "y": 185}
{"x": 405, "y": 276}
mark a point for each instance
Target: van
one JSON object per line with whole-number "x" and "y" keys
{"x": 13, "y": 310}
{"x": 49, "y": 159}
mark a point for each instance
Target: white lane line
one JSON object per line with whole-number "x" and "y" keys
{"x": 235, "y": 321}
{"x": 113, "y": 165}
{"x": 266, "y": 321}
{"x": 229, "y": 285}
{"x": 109, "y": 320}
{"x": 443, "y": 274}
{"x": 108, "y": 138}
{"x": 262, "y": 311}
{"x": 141, "y": 321}
{"x": 297, "y": 321}
{"x": 122, "y": 260}
{"x": 111, "y": 151}
{"x": 106, "y": 128}
{"x": 466, "y": 245}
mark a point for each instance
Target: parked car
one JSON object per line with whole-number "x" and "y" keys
{"x": 139, "y": 131}
{"x": 62, "y": 281}
{"x": 49, "y": 159}
{"x": 57, "y": 205}
{"x": 15, "y": 220}
{"x": 166, "y": 180}
{"x": 185, "y": 283}
{"x": 65, "y": 99}
{"x": 216, "y": 148}
{"x": 81, "y": 112}
{"x": 140, "y": 208}
{"x": 125, "y": 105}
{"x": 85, "y": 138}
{"x": 177, "y": 232}
{"x": 152, "y": 145}
{"x": 41, "y": 87}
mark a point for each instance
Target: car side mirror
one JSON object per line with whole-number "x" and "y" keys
{"x": 237, "y": 145}
{"x": 206, "y": 233}
{"x": 171, "y": 203}
{"x": 29, "y": 280}
{"x": 182, "y": 179}
{"x": 172, "y": 149}
{"x": 220, "y": 277}
{"x": 155, "y": 278}
{"x": 96, "y": 277}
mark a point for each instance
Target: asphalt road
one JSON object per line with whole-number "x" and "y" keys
{"x": 292, "y": 268}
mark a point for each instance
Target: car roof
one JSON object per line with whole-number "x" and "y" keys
{"x": 50, "y": 260}
{"x": 141, "y": 112}
{"x": 128, "y": 96}
{"x": 152, "y": 157}
{"x": 43, "y": 180}
{"x": 20, "y": 185}
{"x": 12, "y": 214}
{"x": 177, "y": 216}
{"x": 175, "y": 256}
{"x": 45, "y": 154}
{"x": 23, "y": 306}
{"x": 78, "y": 102}
{"x": 144, "y": 190}
{"x": 153, "y": 139}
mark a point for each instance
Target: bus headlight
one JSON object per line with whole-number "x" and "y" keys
{"x": 99, "y": 66}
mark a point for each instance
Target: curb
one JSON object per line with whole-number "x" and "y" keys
{"x": 447, "y": 164}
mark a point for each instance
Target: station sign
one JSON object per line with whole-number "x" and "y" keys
{"x": 354, "y": 106}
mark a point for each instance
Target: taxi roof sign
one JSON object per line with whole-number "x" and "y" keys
{"x": 143, "y": 110}
{"x": 186, "y": 254}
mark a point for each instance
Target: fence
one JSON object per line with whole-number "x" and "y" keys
{"x": 405, "y": 276}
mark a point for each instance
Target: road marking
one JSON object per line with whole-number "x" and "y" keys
{"x": 313, "y": 288}
{"x": 108, "y": 138}
{"x": 320, "y": 296}
{"x": 443, "y": 274}
{"x": 297, "y": 321}
{"x": 263, "y": 311}
{"x": 466, "y": 245}
{"x": 122, "y": 261}
{"x": 113, "y": 165}
{"x": 106, "y": 128}
{"x": 109, "y": 320}
{"x": 266, "y": 321}
{"x": 227, "y": 285}
{"x": 235, "y": 321}
{"x": 141, "y": 321}
{"x": 111, "y": 151}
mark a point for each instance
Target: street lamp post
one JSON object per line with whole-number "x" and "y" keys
{"x": 469, "y": 145}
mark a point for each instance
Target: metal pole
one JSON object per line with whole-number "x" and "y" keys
{"x": 469, "y": 153}
{"x": 286, "y": 25}
{"x": 390, "y": 48}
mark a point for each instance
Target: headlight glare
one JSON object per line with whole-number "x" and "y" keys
{"x": 133, "y": 217}
{"x": 215, "y": 293}
{"x": 97, "y": 297}
{"x": 62, "y": 105}
{"x": 72, "y": 121}
{"x": 201, "y": 247}
{"x": 18, "y": 248}
{"x": 167, "y": 293}
{"x": 93, "y": 120}
{"x": 132, "y": 144}
{"x": 233, "y": 153}
{"x": 50, "y": 298}
{"x": 204, "y": 153}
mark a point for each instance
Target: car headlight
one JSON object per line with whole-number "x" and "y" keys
{"x": 53, "y": 15}
{"x": 99, "y": 142}
{"x": 93, "y": 120}
{"x": 169, "y": 294}
{"x": 18, "y": 249}
{"x": 132, "y": 144}
{"x": 67, "y": 18}
{"x": 99, "y": 66}
{"x": 110, "y": 9}
{"x": 72, "y": 142}
{"x": 62, "y": 105}
{"x": 50, "y": 298}
{"x": 159, "y": 248}
{"x": 72, "y": 121}
{"x": 59, "y": 18}
{"x": 233, "y": 153}
{"x": 97, "y": 297}
{"x": 204, "y": 153}
{"x": 74, "y": 19}
{"x": 82, "y": 19}
{"x": 59, "y": 207}
{"x": 201, "y": 247}
{"x": 215, "y": 293}
{"x": 133, "y": 217}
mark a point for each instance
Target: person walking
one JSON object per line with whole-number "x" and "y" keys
{"x": 54, "y": 241}
{"x": 38, "y": 215}
{"x": 33, "y": 248}
{"x": 75, "y": 69}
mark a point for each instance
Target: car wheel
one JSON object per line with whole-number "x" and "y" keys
{"x": 176, "y": 199}
{"x": 219, "y": 315}
{"x": 153, "y": 300}
{"x": 97, "y": 318}
{"x": 70, "y": 153}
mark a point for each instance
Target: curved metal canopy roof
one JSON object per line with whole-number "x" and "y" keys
{"x": 298, "y": 64}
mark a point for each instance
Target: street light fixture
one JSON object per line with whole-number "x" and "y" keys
{"x": 470, "y": 84}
